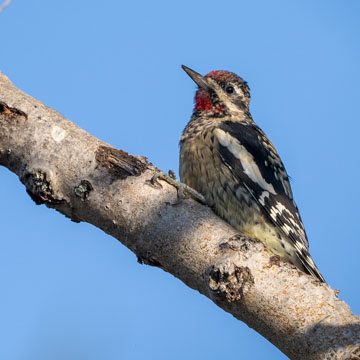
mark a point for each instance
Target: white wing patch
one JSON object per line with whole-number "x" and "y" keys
{"x": 262, "y": 197}
{"x": 247, "y": 160}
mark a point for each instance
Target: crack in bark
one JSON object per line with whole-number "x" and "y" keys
{"x": 9, "y": 112}
{"x": 119, "y": 163}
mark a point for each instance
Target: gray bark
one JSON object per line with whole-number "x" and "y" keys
{"x": 85, "y": 179}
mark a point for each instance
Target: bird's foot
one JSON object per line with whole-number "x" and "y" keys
{"x": 183, "y": 191}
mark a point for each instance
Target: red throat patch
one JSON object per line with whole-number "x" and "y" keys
{"x": 203, "y": 102}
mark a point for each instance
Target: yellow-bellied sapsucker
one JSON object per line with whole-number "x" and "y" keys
{"x": 228, "y": 159}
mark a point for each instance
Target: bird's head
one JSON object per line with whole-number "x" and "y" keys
{"x": 220, "y": 93}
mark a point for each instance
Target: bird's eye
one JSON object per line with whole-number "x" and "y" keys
{"x": 229, "y": 89}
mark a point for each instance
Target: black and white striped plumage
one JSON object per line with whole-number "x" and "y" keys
{"x": 227, "y": 158}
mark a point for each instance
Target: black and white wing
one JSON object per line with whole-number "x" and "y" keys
{"x": 253, "y": 160}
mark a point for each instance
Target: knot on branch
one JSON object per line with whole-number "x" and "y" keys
{"x": 83, "y": 190}
{"x": 119, "y": 163}
{"x": 230, "y": 281}
{"x": 38, "y": 186}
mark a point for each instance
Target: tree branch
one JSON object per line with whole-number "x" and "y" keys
{"x": 69, "y": 170}
{"x": 4, "y": 5}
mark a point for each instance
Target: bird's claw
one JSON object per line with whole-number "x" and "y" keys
{"x": 154, "y": 180}
{"x": 183, "y": 191}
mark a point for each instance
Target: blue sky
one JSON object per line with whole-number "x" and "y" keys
{"x": 70, "y": 291}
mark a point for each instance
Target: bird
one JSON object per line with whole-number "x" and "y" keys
{"x": 228, "y": 159}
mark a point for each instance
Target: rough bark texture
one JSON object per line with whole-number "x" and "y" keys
{"x": 67, "y": 169}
